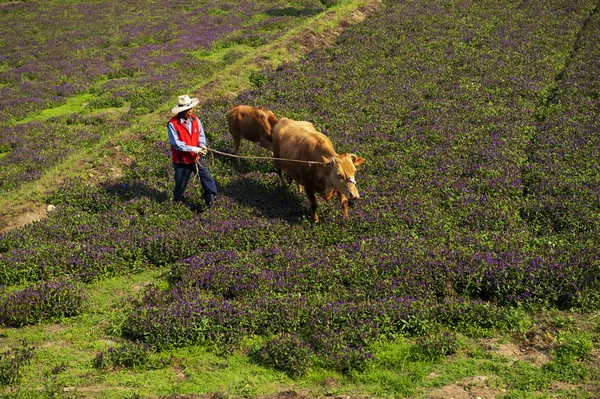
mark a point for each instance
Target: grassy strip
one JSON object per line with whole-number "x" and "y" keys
{"x": 234, "y": 78}
{"x": 63, "y": 361}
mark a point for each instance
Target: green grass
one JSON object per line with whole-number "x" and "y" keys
{"x": 64, "y": 355}
{"x": 72, "y": 105}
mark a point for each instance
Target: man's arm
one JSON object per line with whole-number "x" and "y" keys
{"x": 201, "y": 136}
{"x": 178, "y": 144}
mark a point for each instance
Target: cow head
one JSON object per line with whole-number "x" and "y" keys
{"x": 342, "y": 170}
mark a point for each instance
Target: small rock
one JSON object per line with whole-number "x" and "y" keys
{"x": 50, "y": 208}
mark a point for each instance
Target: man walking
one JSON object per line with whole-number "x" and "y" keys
{"x": 188, "y": 145}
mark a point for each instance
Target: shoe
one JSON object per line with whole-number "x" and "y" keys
{"x": 209, "y": 200}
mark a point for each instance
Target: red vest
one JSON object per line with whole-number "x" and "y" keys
{"x": 187, "y": 138}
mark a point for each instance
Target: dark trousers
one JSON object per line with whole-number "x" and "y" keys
{"x": 183, "y": 172}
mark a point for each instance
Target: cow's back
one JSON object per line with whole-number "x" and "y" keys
{"x": 250, "y": 122}
{"x": 242, "y": 120}
{"x": 300, "y": 141}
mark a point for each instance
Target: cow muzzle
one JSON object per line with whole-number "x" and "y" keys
{"x": 352, "y": 192}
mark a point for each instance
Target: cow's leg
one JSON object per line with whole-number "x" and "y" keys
{"x": 236, "y": 146}
{"x": 344, "y": 202}
{"x": 282, "y": 182}
{"x": 264, "y": 143}
{"x": 289, "y": 181}
{"x": 313, "y": 205}
{"x": 328, "y": 196}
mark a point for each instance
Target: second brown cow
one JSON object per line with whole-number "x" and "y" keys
{"x": 307, "y": 156}
{"x": 252, "y": 124}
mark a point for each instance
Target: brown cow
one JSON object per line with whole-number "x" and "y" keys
{"x": 329, "y": 174}
{"x": 251, "y": 123}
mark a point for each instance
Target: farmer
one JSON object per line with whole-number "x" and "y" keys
{"x": 188, "y": 145}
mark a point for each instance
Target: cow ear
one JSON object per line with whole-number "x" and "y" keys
{"x": 356, "y": 160}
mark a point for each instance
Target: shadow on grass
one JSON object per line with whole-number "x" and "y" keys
{"x": 293, "y": 12}
{"x": 268, "y": 199}
{"x": 129, "y": 190}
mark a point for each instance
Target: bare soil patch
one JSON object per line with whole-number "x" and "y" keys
{"x": 468, "y": 388}
{"x": 19, "y": 215}
{"x": 536, "y": 355}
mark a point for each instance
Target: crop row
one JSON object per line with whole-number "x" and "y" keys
{"x": 561, "y": 181}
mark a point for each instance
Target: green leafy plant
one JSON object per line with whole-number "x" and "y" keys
{"x": 287, "y": 352}
{"x": 132, "y": 355}
{"x": 330, "y": 3}
{"x": 574, "y": 345}
{"x": 561, "y": 321}
{"x": 438, "y": 344}
{"x": 522, "y": 376}
{"x": 257, "y": 79}
{"x": 417, "y": 325}
{"x": 12, "y": 363}
{"x": 572, "y": 372}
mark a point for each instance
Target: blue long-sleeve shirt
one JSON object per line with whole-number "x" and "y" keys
{"x": 174, "y": 136}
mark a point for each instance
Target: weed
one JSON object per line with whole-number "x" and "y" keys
{"x": 133, "y": 355}
{"x": 438, "y": 344}
{"x": 287, "y": 352}
{"x": 523, "y": 376}
{"x": 565, "y": 370}
{"x": 562, "y": 321}
{"x": 329, "y": 3}
{"x": 417, "y": 325}
{"x": 574, "y": 345}
{"x": 12, "y": 363}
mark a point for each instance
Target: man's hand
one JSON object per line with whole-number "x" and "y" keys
{"x": 196, "y": 150}
{"x": 203, "y": 149}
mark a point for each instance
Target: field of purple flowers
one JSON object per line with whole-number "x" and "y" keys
{"x": 134, "y": 55}
{"x": 480, "y": 193}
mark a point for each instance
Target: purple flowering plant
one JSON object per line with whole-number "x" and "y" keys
{"x": 42, "y": 302}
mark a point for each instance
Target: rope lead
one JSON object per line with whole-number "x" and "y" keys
{"x": 269, "y": 158}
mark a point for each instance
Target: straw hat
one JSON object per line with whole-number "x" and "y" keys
{"x": 184, "y": 103}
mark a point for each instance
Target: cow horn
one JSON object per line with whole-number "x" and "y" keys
{"x": 356, "y": 160}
